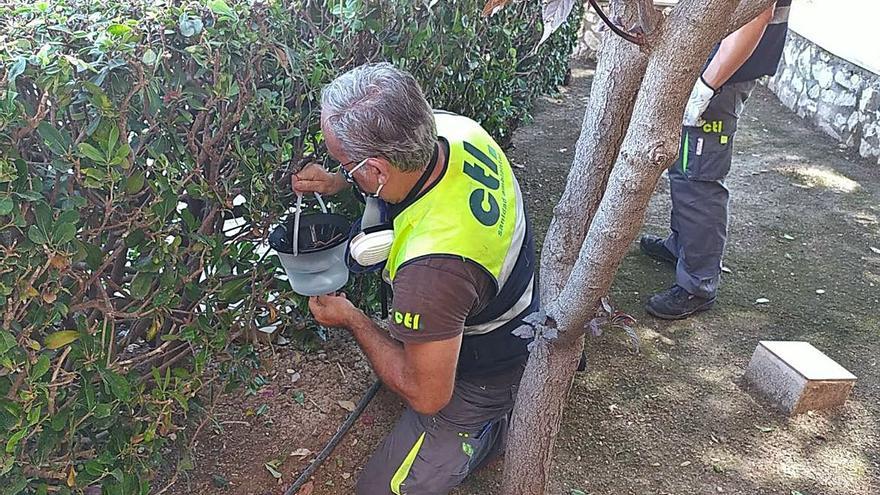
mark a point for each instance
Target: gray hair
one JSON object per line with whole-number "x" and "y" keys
{"x": 380, "y": 110}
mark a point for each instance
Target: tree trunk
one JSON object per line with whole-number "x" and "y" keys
{"x": 573, "y": 284}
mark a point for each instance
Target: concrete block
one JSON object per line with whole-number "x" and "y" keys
{"x": 797, "y": 377}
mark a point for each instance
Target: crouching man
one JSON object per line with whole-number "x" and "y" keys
{"x": 461, "y": 266}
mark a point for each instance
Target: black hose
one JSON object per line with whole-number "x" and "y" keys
{"x": 334, "y": 441}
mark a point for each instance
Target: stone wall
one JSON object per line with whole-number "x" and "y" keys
{"x": 839, "y": 97}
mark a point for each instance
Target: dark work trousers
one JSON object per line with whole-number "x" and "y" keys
{"x": 431, "y": 455}
{"x": 699, "y": 197}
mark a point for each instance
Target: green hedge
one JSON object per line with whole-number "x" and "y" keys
{"x": 130, "y": 134}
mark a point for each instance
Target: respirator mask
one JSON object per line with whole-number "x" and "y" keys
{"x": 370, "y": 238}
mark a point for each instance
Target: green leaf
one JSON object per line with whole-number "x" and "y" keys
{"x": 272, "y": 467}
{"x": 6, "y": 206}
{"x": 36, "y": 410}
{"x": 141, "y": 284}
{"x": 189, "y": 26}
{"x": 37, "y": 236}
{"x": 136, "y": 237}
{"x": 40, "y": 367}
{"x": 6, "y": 463}
{"x": 43, "y": 214}
{"x": 119, "y": 386}
{"x": 14, "y": 439}
{"x": 60, "y": 339}
{"x": 98, "y": 176}
{"x": 134, "y": 183}
{"x": 91, "y": 153}
{"x": 233, "y": 290}
{"x": 93, "y": 254}
{"x": 119, "y": 29}
{"x": 299, "y": 397}
{"x": 103, "y": 411}
{"x": 89, "y": 394}
{"x": 57, "y": 141}
{"x": 120, "y": 155}
{"x": 16, "y": 70}
{"x": 149, "y": 57}
{"x": 64, "y": 233}
{"x": 7, "y": 341}
{"x": 112, "y": 140}
{"x": 220, "y": 8}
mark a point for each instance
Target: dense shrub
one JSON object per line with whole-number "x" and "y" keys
{"x": 131, "y": 133}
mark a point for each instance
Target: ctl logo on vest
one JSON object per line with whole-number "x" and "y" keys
{"x": 408, "y": 320}
{"x": 485, "y": 173}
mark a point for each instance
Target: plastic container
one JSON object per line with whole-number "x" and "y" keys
{"x": 314, "y": 260}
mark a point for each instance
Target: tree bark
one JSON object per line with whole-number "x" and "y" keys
{"x": 573, "y": 285}
{"x": 616, "y": 81}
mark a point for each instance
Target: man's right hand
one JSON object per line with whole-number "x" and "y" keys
{"x": 314, "y": 178}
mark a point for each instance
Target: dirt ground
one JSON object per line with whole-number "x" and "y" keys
{"x": 676, "y": 418}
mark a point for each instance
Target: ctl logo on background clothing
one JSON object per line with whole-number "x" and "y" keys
{"x": 715, "y": 126}
{"x": 490, "y": 216}
{"x": 409, "y": 320}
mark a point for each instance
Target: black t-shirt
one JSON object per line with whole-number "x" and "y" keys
{"x": 765, "y": 59}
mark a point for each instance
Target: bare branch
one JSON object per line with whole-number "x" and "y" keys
{"x": 638, "y": 39}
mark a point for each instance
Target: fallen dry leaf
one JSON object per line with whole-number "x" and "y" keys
{"x": 301, "y": 452}
{"x": 347, "y": 405}
{"x": 307, "y": 489}
{"x": 493, "y": 6}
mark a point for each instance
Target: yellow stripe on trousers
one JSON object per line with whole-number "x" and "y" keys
{"x": 403, "y": 470}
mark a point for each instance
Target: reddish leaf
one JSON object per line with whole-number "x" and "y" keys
{"x": 493, "y": 6}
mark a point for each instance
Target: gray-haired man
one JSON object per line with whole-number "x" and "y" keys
{"x": 461, "y": 265}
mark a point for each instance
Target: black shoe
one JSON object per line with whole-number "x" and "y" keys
{"x": 676, "y": 303}
{"x": 654, "y": 247}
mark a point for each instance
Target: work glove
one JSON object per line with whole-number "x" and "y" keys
{"x": 697, "y": 103}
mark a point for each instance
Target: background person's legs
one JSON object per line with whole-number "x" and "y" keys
{"x": 699, "y": 213}
{"x": 699, "y": 206}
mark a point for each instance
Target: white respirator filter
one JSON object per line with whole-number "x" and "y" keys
{"x": 371, "y": 248}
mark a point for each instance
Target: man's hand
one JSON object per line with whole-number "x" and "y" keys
{"x": 333, "y": 310}
{"x": 314, "y": 178}
{"x": 697, "y": 104}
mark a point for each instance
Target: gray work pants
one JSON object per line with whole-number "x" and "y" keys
{"x": 431, "y": 455}
{"x": 699, "y": 196}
